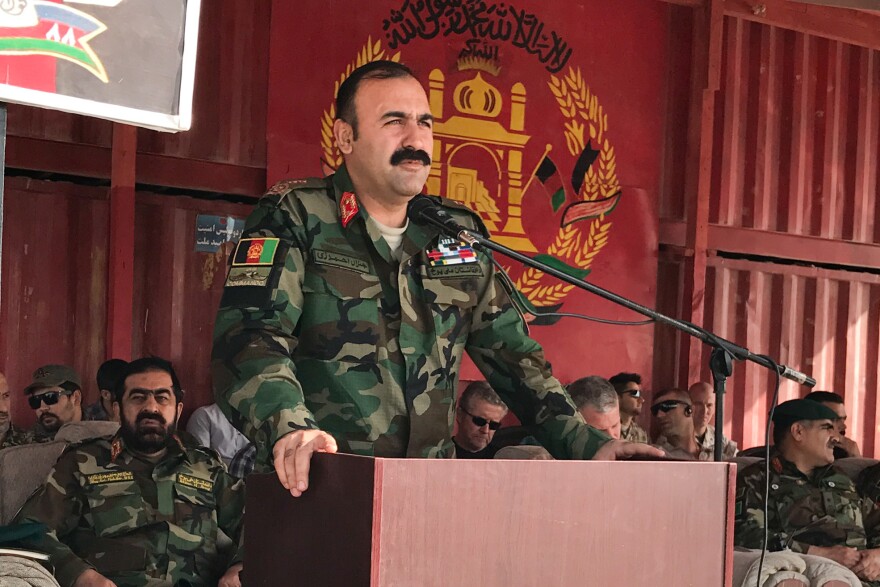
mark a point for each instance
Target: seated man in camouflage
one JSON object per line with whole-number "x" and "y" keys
{"x": 145, "y": 507}
{"x": 814, "y": 508}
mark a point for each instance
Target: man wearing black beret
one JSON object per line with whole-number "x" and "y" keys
{"x": 813, "y": 507}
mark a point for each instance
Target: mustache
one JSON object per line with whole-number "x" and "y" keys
{"x": 410, "y": 154}
{"x": 143, "y": 416}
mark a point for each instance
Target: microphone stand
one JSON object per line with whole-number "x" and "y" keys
{"x": 724, "y": 352}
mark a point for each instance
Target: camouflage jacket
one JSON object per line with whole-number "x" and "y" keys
{"x": 868, "y": 483}
{"x": 634, "y": 433}
{"x": 15, "y": 436}
{"x": 332, "y": 332}
{"x": 822, "y": 509}
{"x": 135, "y": 522}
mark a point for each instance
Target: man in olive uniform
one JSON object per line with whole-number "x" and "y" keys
{"x": 342, "y": 325}
{"x": 814, "y": 508}
{"x": 10, "y": 435}
{"x": 144, "y": 507}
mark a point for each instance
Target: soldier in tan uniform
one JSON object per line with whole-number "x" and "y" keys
{"x": 629, "y": 394}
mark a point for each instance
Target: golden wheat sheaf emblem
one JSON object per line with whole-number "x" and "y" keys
{"x": 584, "y": 203}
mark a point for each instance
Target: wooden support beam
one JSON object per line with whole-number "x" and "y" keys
{"x": 120, "y": 271}
{"x": 762, "y": 243}
{"x": 856, "y": 27}
{"x": 94, "y": 161}
{"x": 705, "y": 76}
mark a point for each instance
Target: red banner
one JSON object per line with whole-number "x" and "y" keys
{"x": 548, "y": 124}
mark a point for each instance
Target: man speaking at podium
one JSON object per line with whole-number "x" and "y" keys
{"x": 343, "y": 323}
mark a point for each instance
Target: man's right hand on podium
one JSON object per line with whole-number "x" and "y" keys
{"x": 615, "y": 450}
{"x": 292, "y": 457}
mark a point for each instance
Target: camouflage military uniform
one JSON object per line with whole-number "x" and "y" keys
{"x": 15, "y": 437}
{"x": 868, "y": 483}
{"x": 634, "y": 433}
{"x": 135, "y": 522}
{"x": 823, "y": 509}
{"x": 332, "y": 332}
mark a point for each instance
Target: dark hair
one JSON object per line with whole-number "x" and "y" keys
{"x": 145, "y": 365}
{"x": 480, "y": 390}
{"x": 381, "y": 69}
{"x": 824, "y": 396}
{"x": 620, "y": 380}
{"x": 109, "y": 372}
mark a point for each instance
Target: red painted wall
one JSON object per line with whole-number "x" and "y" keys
{"x": 619, "y": 49}
{"x": 55, "y": 285}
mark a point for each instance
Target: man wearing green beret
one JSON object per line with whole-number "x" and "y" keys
{"x": 814, "y": 508}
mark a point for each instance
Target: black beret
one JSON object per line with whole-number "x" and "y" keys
{"x": 795, "y": 410}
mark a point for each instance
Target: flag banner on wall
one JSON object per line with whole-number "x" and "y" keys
{"x": 129, "y": 61}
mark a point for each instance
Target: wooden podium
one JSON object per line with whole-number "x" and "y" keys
{"x": 368, "y": 522}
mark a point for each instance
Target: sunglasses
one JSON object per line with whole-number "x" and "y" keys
{"x": 480, "y": 422}
{"x": 633, "y": 392}
{"x": 667, "y": 406}
{"x": 50, "y": 398}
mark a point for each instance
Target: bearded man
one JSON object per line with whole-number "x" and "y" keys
{"x": 144, "y": 506}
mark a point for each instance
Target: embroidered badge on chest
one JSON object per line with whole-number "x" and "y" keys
{"x": 451, "y": 252}
{"x": 255, "y": 252}
{"x": 348, "y": 208}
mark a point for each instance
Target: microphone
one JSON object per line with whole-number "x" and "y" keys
{"x": 423, "y": 209}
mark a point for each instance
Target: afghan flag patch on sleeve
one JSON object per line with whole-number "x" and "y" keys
{"x": 255, "y": 251}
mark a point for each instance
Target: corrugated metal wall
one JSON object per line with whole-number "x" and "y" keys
{"x": 795, "y": 155}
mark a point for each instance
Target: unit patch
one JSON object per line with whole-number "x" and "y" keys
{"x": 110, "y": 477}
{"x": 450, "y": 251}
{"x": 340, "y": 260}
{"x": 195, "y": 482}
{"x": 255, "y": 251}
{"x": 248, "y": 276}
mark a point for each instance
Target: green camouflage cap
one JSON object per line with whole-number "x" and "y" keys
{"x": 795, "y": 410}
{"x": 53, "y": 376}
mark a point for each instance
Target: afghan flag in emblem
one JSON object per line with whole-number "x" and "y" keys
{"x": 255, "y": 251}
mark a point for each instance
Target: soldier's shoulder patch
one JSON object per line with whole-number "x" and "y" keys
{"x": 252, "y": 252}
{"x": 248, "y": 276}
{"x": 195, "y": 482}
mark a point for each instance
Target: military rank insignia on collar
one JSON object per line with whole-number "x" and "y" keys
{"x": 451, "y": 252}
{"x": 255, "y": 251}
{"x": 348, "y": 208}
{"x": 115, "y": 449}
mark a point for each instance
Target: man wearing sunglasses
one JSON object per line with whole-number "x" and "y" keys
{"x": 629, "y": 394}
{"x": 477, "y": 417}
{"x": 673, "y": 412}
{"x": 55, "y": 394}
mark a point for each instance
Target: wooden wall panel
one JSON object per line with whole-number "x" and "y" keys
{"x": 54, "y": 282}
{"x": 177, "y": 290}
